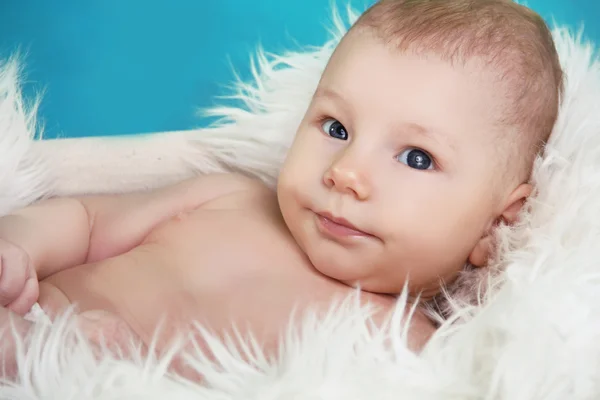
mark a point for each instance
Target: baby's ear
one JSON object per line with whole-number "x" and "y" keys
{"x": 515, "y": 203}
{"x": 483, "y": 249}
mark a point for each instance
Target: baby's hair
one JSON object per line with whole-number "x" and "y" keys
{"x": 511, "y": 40}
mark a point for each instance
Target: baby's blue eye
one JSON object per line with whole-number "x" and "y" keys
{"x": 416, "y": 159}
{"x": 335, "y": 129}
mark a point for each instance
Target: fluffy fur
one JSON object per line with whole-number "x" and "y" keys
{"x": 23, "y": 175}
{"x": 535, "y": 334}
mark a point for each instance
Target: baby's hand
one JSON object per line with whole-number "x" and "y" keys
{"x": 19, "y": 287}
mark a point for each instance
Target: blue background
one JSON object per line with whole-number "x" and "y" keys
{"x": 130, "y": 66}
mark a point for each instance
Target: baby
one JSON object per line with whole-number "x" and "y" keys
{"x": 418, "y": 142}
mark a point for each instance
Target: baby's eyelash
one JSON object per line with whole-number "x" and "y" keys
{"x": 320, "y": 120}
{"x": 323, "y": 118}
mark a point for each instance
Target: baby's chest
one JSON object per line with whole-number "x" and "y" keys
{"x": 229, "y": 267}
{"x": 232, "y": 265}
{"x": 209, "y": 243}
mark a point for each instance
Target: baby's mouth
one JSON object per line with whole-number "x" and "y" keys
{"x": 339, "y": 227}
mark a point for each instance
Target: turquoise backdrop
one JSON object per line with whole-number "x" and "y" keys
{"x": 130, "y": 66}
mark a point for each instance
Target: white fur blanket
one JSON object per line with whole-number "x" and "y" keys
{"x": 536, "y": 337}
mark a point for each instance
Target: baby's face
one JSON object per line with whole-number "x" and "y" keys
{"x": 391, "y": 174}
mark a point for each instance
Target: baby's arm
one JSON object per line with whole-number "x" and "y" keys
{"x": 64, "y": 232}
{"x": 53, "y": 233}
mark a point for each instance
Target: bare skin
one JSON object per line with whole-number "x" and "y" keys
{"x": 392, "y": 181}
{"x": 213, "y": 250}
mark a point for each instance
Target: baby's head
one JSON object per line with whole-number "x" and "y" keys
{"x": 420, "y": 140}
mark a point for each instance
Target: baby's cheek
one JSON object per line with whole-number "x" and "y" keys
{"x": 434, "y": 256}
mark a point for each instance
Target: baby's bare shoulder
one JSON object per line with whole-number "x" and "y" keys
{"x": 232, "y": 182}
{"x": 238, "y": 189}
{"x": 243, "y": 182}
{"x": 196, "y": 192}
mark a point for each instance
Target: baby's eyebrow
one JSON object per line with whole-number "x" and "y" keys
{"x": 432, "y": 134}
{"x": 328, "y": 92}
{"x": 331, "y": 94}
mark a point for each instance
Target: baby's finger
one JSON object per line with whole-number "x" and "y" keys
{"x": 29, "y": 295}
{"x": 12, "y": 279}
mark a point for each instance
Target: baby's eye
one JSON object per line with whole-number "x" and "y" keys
{"x": 417, "y": 159}
{"x": 335, "y": 129}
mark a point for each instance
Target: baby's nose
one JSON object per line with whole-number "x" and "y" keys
{"x": 346, "y": 180}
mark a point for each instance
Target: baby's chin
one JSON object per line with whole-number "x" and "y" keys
{"x": 355, "y": 277}
{"x": 348, "y": 267}
{"x": 345, "y": 274}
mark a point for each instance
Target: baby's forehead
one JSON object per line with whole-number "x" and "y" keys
{"x": 487, "y": 71}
